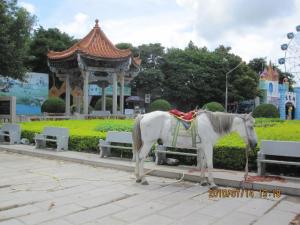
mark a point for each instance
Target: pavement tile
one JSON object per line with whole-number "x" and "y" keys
{"x": 196, "y": 218}
{"x": 54, "y": 213}
{"x": 11, "y": 222}
{"x": 109, "y": 221}
{"x": 236, "y": 218}
{"x": 135, "y": 213}
{"x": 154, "y": 219}
{"x": 93, "y": 214}
{"x": 276, "y": 217}
{"x": 288, "y": 206}
{"x": 19, "y": 211}
{"x": 221, "y": 208}
{"x": 182, "y": 209}
{"x": 257, "y": 207}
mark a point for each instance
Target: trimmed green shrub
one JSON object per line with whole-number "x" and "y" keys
{"x": 98, "y": 105}
{"x": 266, "y": 111}
{"x": 160, "y": 104}
{"x": 214, "y": 107}
{"x": 53, "y": 105}
{"x": 76, "y": 142}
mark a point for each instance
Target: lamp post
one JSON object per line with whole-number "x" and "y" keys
{"x": 226, "y": 84}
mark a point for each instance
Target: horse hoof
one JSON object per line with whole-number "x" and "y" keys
{"x": 145, "y": 182}
{"x": 204, "y": 183}
{"x": 138, "y": 180}
{"x": 213, "y": 187}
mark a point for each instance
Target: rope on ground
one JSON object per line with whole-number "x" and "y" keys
{"x": 173, "y": 182}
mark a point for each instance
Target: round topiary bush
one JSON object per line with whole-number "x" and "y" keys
{"x": 266, "y": 110}
{"x": 160, "y": 104}
{"x": 214, "y": 107}
{"x": 53, "y": 105}
{"x": 98, "y": 105}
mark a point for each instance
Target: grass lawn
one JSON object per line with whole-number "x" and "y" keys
{"x": 267, "y": 130}
{"x": 96, "y": 128}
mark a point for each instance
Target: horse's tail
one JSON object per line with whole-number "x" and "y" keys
{"x": 136, "y": 134}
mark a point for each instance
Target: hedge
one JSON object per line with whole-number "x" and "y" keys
{"x": 229, "y": 153}
{"x": 266, "y": 111}
{"x": 53, "y": 105}
{"x": 76, "y": 143}
{"x": 160, "y": 104}
{"x": 214, "y": 107}
{"x": 108, "y": 104}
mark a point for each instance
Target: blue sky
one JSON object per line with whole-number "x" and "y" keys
{"x": 252, "y": 28}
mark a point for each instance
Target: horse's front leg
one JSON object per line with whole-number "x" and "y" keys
{"x": 201, "y": 163}
{"x": 208, "y": 151}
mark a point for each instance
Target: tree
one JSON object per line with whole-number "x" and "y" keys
{"x": 133, "y": 49}
{"x": 43, "y": 41}
{"x": 150, "y": 78}
{"x": 289, "y": 76}
{"x": 151, "y": 55}
{"x": 195, "y": 76}
{"x": 258, "y": 65}
{"x": 15, "y": 26}
{"x": 149, "y": 81}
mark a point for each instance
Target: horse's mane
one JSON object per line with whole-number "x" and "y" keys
{"x": 221, "y": 122}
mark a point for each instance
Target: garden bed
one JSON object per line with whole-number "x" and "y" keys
{"x": 229, "y": 153}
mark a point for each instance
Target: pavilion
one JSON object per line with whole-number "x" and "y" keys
{"x": 94, "y": 60}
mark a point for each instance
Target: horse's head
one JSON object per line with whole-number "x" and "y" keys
{"x": 244, "y": 125}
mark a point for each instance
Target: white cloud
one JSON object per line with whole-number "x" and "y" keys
{"x": 160, "y": 28}
{"x": 252, "y": 28}
{"x": 213, "y": 18}
{"x": 28, "y": 6}
{"x": 78, "y": 27}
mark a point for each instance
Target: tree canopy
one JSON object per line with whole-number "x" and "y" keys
{"x": 44, "y": 40}
{"x": 193, "y": 76}
{"x": 15, "y": 26}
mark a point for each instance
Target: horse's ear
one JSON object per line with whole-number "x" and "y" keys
{"x": 249, "y": 115}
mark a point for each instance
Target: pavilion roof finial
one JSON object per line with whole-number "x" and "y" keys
{"x": 96, "y": 23}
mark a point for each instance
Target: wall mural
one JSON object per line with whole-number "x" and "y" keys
{"x": 30, "y": 93}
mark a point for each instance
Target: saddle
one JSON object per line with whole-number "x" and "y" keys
{"x": 185, "y": 118}
{"x": 189, "y": 126}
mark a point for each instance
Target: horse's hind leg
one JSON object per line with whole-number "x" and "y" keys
{"x": 137, "y": 167}
{"x": 142, "y": 154}
{"x": 201, "y": 164}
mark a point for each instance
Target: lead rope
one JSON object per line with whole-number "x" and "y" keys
{"x": 246, "y": 166}
{"x": 246, "y": 152}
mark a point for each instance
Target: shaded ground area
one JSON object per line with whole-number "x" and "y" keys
{"x": 45, "y": 192}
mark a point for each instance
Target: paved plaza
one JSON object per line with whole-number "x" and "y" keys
{"x": 45, "y": 192}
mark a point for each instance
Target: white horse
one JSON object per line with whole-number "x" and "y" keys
{"x": 211, "y": 126}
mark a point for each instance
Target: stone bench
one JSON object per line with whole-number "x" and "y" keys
{"x": 113, "y": 140}
{"x": 277, "y": 148}
{"x": 12, "y": 131}
{"x": 100, "y": 113}
{"x": 162, "y": 150}
{"x": 53, "y": 134}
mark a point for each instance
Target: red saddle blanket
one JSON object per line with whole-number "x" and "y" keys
{"x": 187, "y": 117}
